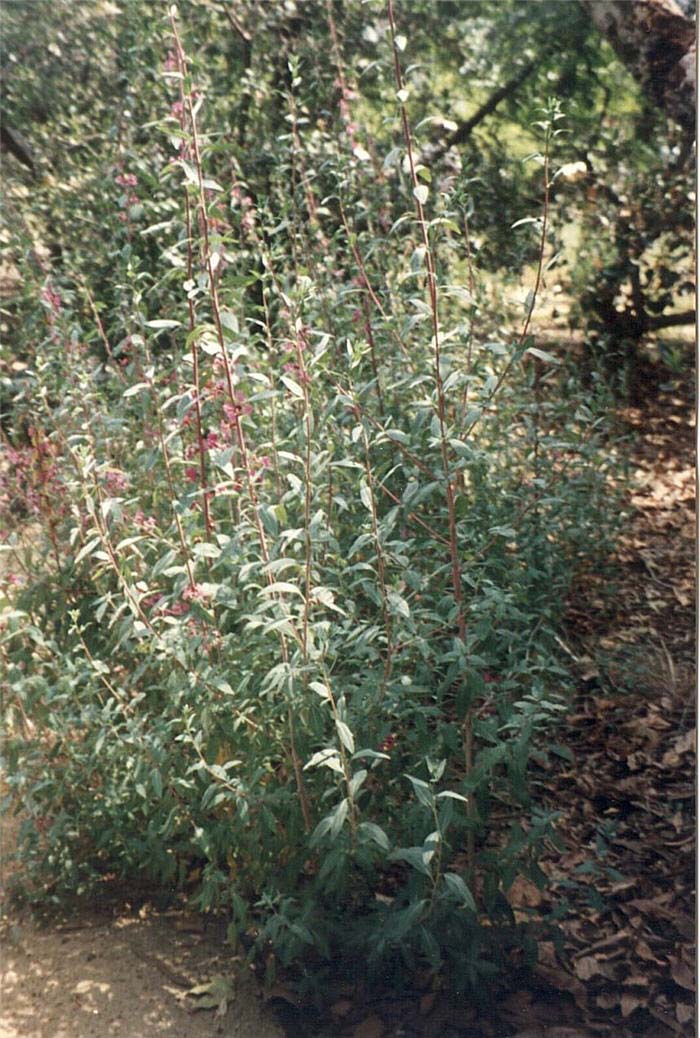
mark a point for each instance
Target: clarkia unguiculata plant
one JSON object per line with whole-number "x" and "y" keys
{"x": 284, "y": 633}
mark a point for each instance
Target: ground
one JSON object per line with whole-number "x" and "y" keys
{"x": 117, "y": 970}
{"x": 625, "y": 789}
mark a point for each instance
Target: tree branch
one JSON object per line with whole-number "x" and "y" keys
{"x": 10, "y": 141}
{"x": 670, "y": 320}
{"x": 237, "y": 26}
{"x": 460, "y": 135}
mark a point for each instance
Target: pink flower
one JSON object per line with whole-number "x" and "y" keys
{"x": 115, "y": 481}
{"x": 146, "y": 522}
{"x": 388, "y": 744}
{"x": 52, "y": 298}
{"x": 298, "y": 373}
{"x": 192, "y": 474}
{"x": 235, "y": 410}
{"x": 193, "y": 594}
{"x": 126, "y": 179}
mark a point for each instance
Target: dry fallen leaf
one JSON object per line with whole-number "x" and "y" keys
{"x": 682, "y": 975}
{"x": 370, "y": 1027}
{"x": 562, "y": 981}
{"x": 216, "y": 994}
{"x": 684, "y": 1012}
{"x": 587, "y": 967}
{"x": 523, "y": 892}
{"x": 341, "y": 1008}
{"x": 426, "y": 1003}
{"x": 629, "y": 1002}
{"x": 684, "y": 743}
{"x": 606, "y": 1000}
{"x": 565, "y": 1032}
{"x": 644, "y": 952}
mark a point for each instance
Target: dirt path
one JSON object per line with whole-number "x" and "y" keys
{"x": 116, "y": 971}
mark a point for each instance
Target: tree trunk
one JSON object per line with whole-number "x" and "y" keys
{"x": 656, "y": 42}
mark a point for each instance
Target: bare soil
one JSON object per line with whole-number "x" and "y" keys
{"x": 112, "y": 968}
{"x": 127, "y": 976}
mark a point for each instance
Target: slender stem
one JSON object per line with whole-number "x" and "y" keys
{"x": 352, "y": 241}
{"x": 456, "y": 569}
{"x": 240, "y": 435}
{"x": 206, "y": 495}
{"x": 301, "y": 343}
{"x": 381, "y": 565}
{"x": 373, "y": 353}
{"x": 534, "y": 293}
{"x": 455, "y": 559}
{"x": 171, "y": 487}
{"x": 100, "y": 328}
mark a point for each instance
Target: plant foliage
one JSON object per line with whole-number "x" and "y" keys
{"x": 292, "y": 505}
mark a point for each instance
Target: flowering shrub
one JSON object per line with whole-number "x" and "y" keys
{"x": 308, "y": 511}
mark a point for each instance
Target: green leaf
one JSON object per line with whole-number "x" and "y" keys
{"x": 423, "y": 791}
{"x": 452, "y": 795}
{"x": 280, "y": 587}
{"x": 356, "y": 782}
{"x": 398, "y": 604}
{"x": 543, "y": 355}
{"x": 561, "y": 751}
{"x": 325, "y": 759}
{"x": 321, "y": 689}
{"x": 293, "y": 387}
{"x": 415, "y": 858}
{"x": 345, "y": 735}
{"x": 421, "y": 192}
{"x": 229, "y": 320}
{"x": 459, "y": 889}
{"x": 338, "y": 817}
{"x": 371, "y": 754}
{"x": 401, "y": 922}
{"x": 203, "y": 550}
{"x": 133, "y": 390}
{"x": 374, "y": 833}
{"x": 366, "y": 496}
{"x": 86, "y": 549}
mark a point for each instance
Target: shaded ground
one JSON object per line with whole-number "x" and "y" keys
{"x": 628, "y": 796}
{"x": 625, "y": 790}
{"x": 120, "y": 972}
